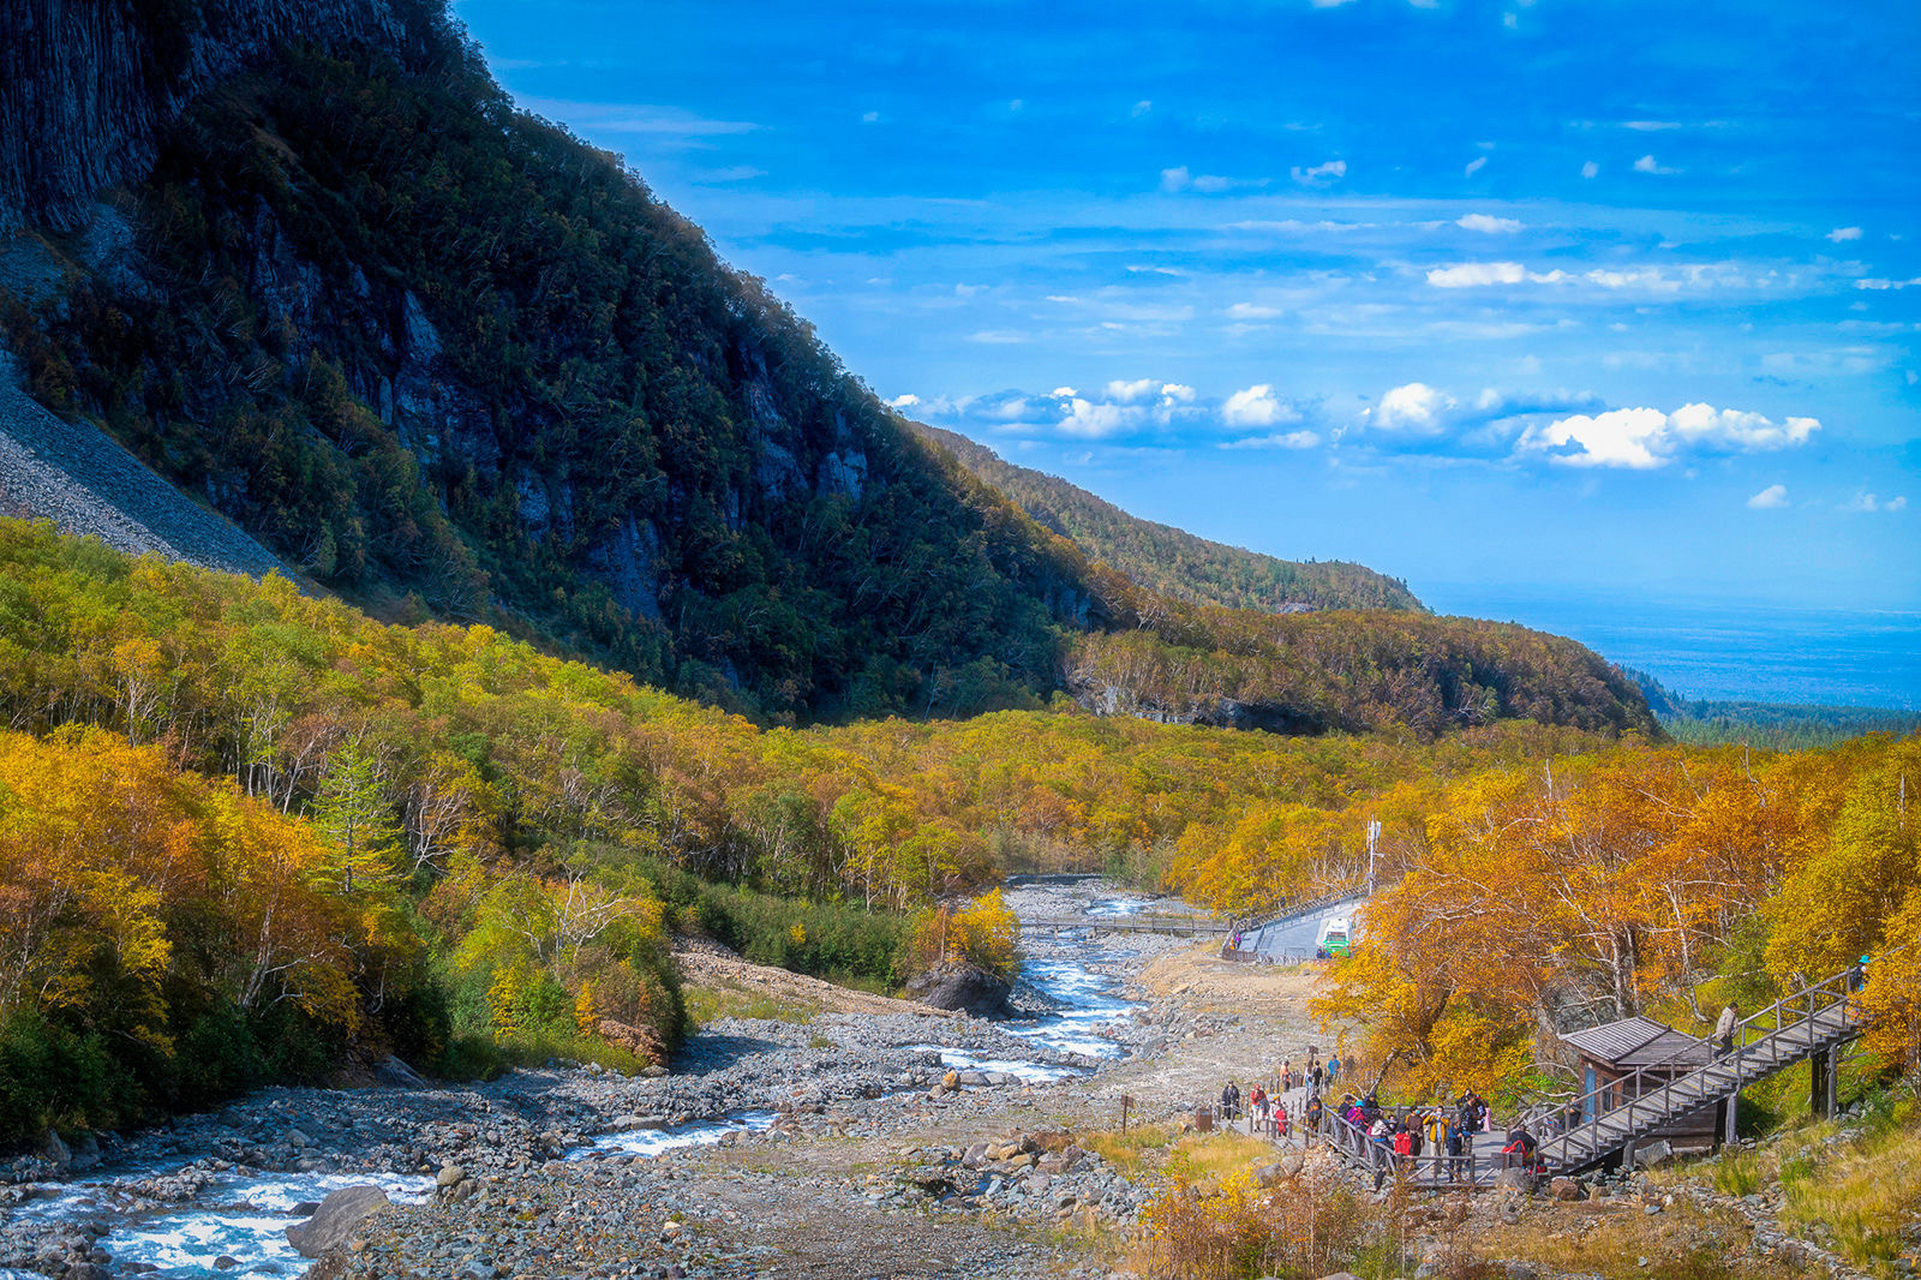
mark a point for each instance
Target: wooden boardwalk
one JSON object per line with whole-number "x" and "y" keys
{"x": 1817, "y": 1020}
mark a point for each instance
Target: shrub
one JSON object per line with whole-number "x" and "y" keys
{"x": 984, "y": 932}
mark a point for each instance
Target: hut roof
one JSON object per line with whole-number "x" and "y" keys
{"x": 1637, "y": 1042}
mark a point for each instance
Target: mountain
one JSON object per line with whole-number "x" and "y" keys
{"x": 1173, "y": 561}
{"x": 310, "y": 266}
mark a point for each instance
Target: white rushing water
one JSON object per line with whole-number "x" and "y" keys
{"x": 1088, "y": 999}
{"x": 245, "y": 1216}
{"x": 651, "y": 1142}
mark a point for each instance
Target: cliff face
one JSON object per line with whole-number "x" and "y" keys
{"x": 442, "y": 358}
{"x": 87, "y": 86}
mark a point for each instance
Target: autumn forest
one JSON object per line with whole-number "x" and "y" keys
{"x": 253, "y": 835}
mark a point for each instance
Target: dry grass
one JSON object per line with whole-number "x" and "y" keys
{"x": 1858, "y": 1197}
{"x": 1611, "y": 1238}
{"x": 1855, "y": 1196}
{"x": 710, "y": 1004}
{"x": 1204, "y": 1159}
{"x": 1136, "y": 1152}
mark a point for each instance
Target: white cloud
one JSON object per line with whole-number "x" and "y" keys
{"x": 1772, "y": 498}
{"x": 1128, "y": 392}
{"x": 1063, "y": 393}
{"x": 998, "y": 337}
{"x": 1173, "y": 393}
{"x": 1474, "y": 166}
{"x": 1840, "y": 234}
{"x": 1869, "y": 502}
{"x": 1644, "y": 439}
{"x": 1649, "y": 126}
{"x": 907, "y": 401}
{"x": 1872, "y": 283}
{"x": 1468, "y": 274}
{"x": 1251, "y": 311}
{"x": 1279, "y": 440}
{"x": 1184, "y": 179}
{"x": 1320, "y": 174}
{"x": 1087, "y": 418}
{"x": 1257, "y": 406}
{"x": 870, "y": 117}
{"x": 1465, "y": 275}
{"x": 1590, "y": 169}
{"x": 1414, "y": 406}
{"x": 1142, "y": 107}
{"x": 1487, "y": 222}
{"x": 1648, "y": 164}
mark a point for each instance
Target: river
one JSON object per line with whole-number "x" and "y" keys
{"x": 236, "y": 1218}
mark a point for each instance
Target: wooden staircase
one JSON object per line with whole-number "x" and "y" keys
{"x": 1792, "y": 1029}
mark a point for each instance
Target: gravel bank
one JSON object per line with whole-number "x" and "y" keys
{"x": 890, "y": 1132}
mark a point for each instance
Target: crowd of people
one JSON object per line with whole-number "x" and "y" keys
{"x": 1436, "y": 1140}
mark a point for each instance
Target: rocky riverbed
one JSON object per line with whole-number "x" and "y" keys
{"x": 854, "y": 1117}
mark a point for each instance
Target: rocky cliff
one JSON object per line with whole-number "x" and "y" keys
{"x": 88, "y": 86}
{"x": 442, "y": 358}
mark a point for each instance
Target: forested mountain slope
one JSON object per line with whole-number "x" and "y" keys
{"x": 1172, "y": 561}
{"x": 445, "y": 360}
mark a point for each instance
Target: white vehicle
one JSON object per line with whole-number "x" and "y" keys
{"x": 1333, "y": 939}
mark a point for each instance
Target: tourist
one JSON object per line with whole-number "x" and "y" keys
{"x": 1231, "y": 1101}
{"x": 1458, "y": 1144}
{"x": 1280, "y": 1121}
{"x": 1519, "y": 1151}
{"x": 1257, "y": 1103}
{"x": 1724, "y": 1031}
{"x": 1333, "y": 1067}
{"x": 1314, "y": 1074}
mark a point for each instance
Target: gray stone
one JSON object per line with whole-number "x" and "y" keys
{"x": 335, "y": 1220}
{"x": 450, "y": 1175}
{"x": 396, "y": 1074}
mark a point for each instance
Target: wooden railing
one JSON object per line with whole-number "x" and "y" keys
{"x": 1824, "y": 1012}
{"x": 1434, "y": 1169}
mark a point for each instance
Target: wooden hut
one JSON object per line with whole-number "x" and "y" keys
{"x": 1611, "y": 1055}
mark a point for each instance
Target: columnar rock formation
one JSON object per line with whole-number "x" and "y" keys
{"x": 86, "y": 85}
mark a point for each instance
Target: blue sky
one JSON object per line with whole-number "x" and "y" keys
{"x": 1577, "y": 300}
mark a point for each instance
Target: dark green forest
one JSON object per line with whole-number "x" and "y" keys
{"x": 1173, "y": 561}
{"x": 450, "y": 363}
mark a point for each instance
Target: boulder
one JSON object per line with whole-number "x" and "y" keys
{"x": 450, "y": 1175}
{"x": 1520, "y": 1180}
{"x": 56, "y": 1152}
{"x": 395, "y": 1074}
{"x": 334, "y": 1221}
{"x": 296, "y": 1138}
{"x": 951, "y": 1081}
{"x": 1649, "y": 1154}
{"x": 962, "y": 986}
{"x": 1565, "y": 1189}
